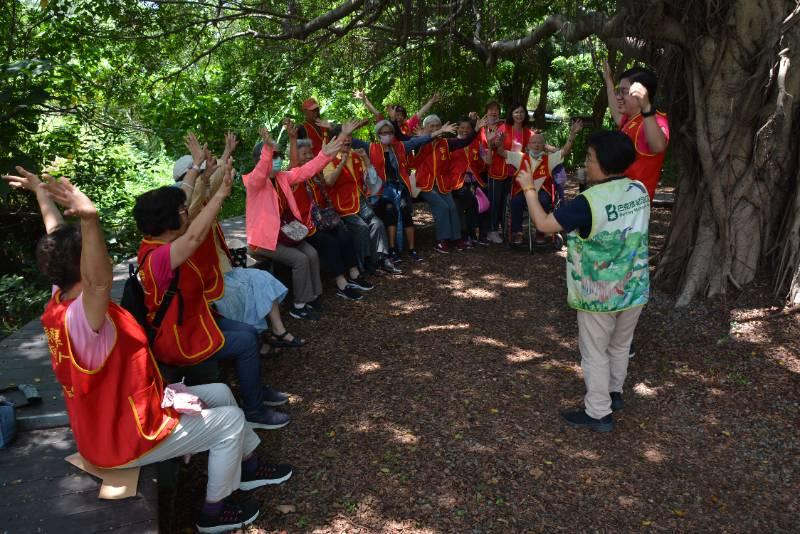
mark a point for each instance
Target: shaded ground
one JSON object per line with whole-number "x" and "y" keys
{"x": 432, "y": 406}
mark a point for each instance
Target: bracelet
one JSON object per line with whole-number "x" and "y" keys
{"x": 650, "y": 113}
{"x": 190, "y": 186}
{"x": 529, "y": 188}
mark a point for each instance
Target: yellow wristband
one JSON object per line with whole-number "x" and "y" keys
{"x": 529, "y": 188}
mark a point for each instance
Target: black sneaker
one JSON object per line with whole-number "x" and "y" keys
{"x": 234, "y": 515}
{"x": 265, "y": 475}
{"x": 580, "y": 419}
{"x": 616, "y": 401}
{"x": 304, "y": 313}
{"x": 360, "y": 283}
{"x": 415, "y": 255}
{"x": 317, "y": 305}
{"x": 349, "y": 293}
{"x": 273, "y": 397}
{"x": 269, "y": 419}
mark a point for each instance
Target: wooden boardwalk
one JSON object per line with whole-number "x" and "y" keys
{"x": 39, "y": 490}
{"x": 24, "y": 358}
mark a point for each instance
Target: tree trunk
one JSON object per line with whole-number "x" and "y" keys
{"x": 518, "y": 89}
{"x": 736, "y": 155}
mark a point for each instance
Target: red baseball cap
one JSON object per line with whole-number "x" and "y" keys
{"x": 310, "y": 104}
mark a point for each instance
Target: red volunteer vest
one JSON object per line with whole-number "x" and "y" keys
{"x": 197, "y": 337}
{"x": 497, "y": 170}
{"x": 346, "y": 191}
{"x": 317, "y": 135}
{"x": 432, "y": 163}
{"x": 646, "y": 167}
{"x": 466, "y": 159}
{"x": 378, "y": 158}
{"x": 115, "y": 411}
{"x": 543, "y": 169}
{"x": 206, "y": 254}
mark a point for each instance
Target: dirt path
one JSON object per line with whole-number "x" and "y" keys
{"x": 432, "y": 406}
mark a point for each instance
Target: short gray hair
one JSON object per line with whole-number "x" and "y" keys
{"x": 431, "y": 118}
{"x": 303, "y": 143}
{"x": 381, "y": 124}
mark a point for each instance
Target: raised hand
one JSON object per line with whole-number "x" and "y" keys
{"x": 480, "y": 123}
{"x": 290, "y": 127}
{"x": 349, "y": 127}
{"x": 265, "y": 137}
{"x": 391, "y": 113}
{"x": 332, "y": 147}
{"x": 576, "y": 127}
{"x": 473, "y": 115}
{"x": 435, "y": 97}
{"x": 195, "y": 149}
{"x": 25, "y": 180}
{"x": 227, "y": 179}
{"x": 72, "y": 199}
{"x": 322, "y": 123}
{"x": 211, "y": 164}
{"x": 230, "y": 145}
{"x": 639, "y": 92}
{"x": 447, "y": 127}
{"x": 359, "y": 94}
{"x": 608, "y": 75}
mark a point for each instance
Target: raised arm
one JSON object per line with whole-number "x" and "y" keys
{"x": 184, "y": 246}
{"x": 545, "y": 222}
{"x": 198, "y": 153}
{"x": 27, "y": 180}
{"x": 361, "y": 95}
{"x": 304, "y": 172}
{"x": 257, "y": 178}
{"x": 96, "y": 275}
{"x": 611, "y": 93}
{"x": 656, "y": 138}
{"x": 427, "y": 106}
{"x": 201, "y": 186}
{"x": 576, "y": 127}
{"x": 291, "y": 131}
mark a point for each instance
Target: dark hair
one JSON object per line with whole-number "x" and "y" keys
{"x": 645, "y": 77}
{"x": 491, "y": 104}
{"x": 614, "y": 151}
{"x": 156, "y": 211}
{"x": 399, "y": 108}
{"x": 335, "y": 131}
{"x": 510, "y": 114}
{"x": 465, "y": 118}
{"x": 58, "y": 255}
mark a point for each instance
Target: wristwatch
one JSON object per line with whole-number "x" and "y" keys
{"x": 650, "y": 113}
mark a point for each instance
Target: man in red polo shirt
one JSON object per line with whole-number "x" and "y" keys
{"x": 633, "y": 111}
{"x": 313, "y": 127}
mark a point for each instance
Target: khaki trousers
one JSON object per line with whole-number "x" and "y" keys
{"x": 304, "y": 262}
{"x": 604, "y": 340}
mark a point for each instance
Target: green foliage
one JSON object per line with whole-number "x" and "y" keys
{"x": 19, "y": 301}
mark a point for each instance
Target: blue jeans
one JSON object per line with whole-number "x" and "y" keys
{"x": 518, "y": 205}
{"x": 242, "y": 346}
{"x": 445, "y": 214}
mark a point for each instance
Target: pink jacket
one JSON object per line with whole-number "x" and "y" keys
{"x": 262, "y": 216}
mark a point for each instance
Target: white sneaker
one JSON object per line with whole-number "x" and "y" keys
{"x": 494, "y": 237}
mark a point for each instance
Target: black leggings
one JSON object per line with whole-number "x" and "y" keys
{"x": 336, "y": 250}
{"x": 388, "y": 213}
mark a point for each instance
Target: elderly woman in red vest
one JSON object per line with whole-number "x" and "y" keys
{"x": 178, "y": 256}
{"x": 113, "y": 391}
{"x": 432, "y": 162}
{"x": 513, "y": 136}
{"x": 333, "y": 242}
{"x": 389, "y": 157}
{"x": 265, "y": 220}
{"x": 465, "y": 169}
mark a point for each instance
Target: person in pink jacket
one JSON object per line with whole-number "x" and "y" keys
{"x": 263, "y": 219}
